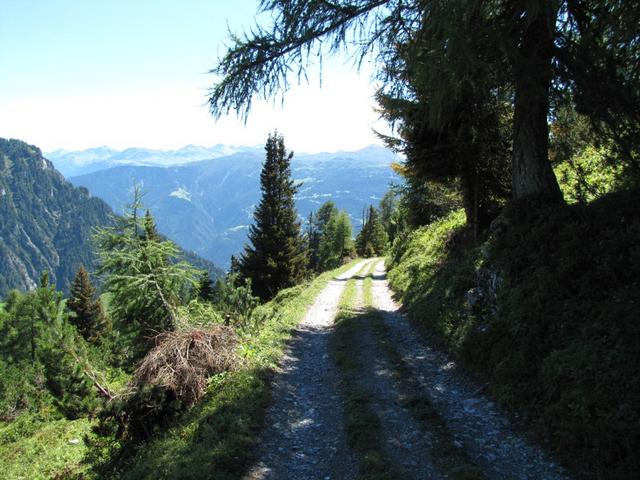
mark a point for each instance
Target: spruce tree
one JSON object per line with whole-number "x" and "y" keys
{"x": 336, "y": 243}
{"x": 317, "y": 226}
{"x": 372, "y": 239}
{"x": 88, "y": 313}
{"x": 149, "y": 227}
{"x": 276, "y": 258}
{"x": 206, "y": 290}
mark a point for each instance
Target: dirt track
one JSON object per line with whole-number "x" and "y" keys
{"x": 304, "y": 437}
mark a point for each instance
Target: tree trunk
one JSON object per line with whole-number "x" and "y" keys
{"x": 532, "y": 173}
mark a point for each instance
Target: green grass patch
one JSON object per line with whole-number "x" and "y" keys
{"x": 217, "y": 438}
{"x": 36, "y": 448}
{"x": 559, "y": 345}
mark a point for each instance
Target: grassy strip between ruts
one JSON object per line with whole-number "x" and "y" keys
{"x": 451, "y": 459}
{"x": 363, "y": 427}
{"x": 216, "y": 439}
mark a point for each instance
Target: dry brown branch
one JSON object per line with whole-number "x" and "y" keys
{"x": 183, "y": 361}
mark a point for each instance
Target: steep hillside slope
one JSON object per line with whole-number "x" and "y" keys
{"x": 45, "y": 222}
{"x": 546, "y": 310}
{"x": 207, "y": 206}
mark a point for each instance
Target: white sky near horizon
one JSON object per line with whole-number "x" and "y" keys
{"x": 77, "y": 74}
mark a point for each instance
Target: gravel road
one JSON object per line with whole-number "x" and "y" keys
{"x": 304, "y": 436}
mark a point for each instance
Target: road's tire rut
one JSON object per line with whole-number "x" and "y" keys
{"x": 405, "y": 446}
{"x": 474, "y": 421}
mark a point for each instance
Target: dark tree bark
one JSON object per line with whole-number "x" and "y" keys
{"x": 532, "y": 172}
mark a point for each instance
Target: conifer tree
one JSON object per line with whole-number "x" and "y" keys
{"x": 313, "y": 242}
{"x": 372, "y": 239}
{"x": 317, "y": 226}
{"x": 205, "y": 287}
{"x": 336, "y": 242}
{"x": 88, "y": 313}
{"x": 276, "y": 258}
{"x": 149, "y": 226}
{"x": 142, "y": 273}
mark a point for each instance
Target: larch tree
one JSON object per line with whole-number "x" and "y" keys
{"x": 276, "y": 257}
{"x": 529, "y": 48}
{"x": 141, "y": 272}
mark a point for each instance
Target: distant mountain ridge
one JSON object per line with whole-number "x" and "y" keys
{"x": 45, "y": 222}
{"x": 207, "y": 206}
{"x": 80, "y": 162}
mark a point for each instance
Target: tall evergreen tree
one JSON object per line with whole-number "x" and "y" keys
{"x": 150, "y": 231}
{"x": 372, "y": 239}
{"x": 313, "y": 242}
{"x": 336, "y": 243}
{"x": 88, "y": 314}
{"x": 276, "y": 258}
{"x": 317, "y": 226}
{"x": 206, "y": 290}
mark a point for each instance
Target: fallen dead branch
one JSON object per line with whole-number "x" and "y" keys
{"x": 183, "y": 361}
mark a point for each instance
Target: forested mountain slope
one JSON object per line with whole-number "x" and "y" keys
{"x": 45, "y": 222}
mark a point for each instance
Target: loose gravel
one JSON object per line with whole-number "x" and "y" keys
{"x": 304, "y": 436}
{"x": 475, "y": 421}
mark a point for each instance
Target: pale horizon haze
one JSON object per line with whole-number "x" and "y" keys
{"x": 75, "y": 75}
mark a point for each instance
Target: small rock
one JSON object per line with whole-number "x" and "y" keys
{"x": 74, "y": 441}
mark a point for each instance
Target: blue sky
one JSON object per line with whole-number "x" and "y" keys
{"x": 76, "y": 74}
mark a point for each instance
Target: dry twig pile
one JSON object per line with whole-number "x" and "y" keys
{"x": 183, "y": 361}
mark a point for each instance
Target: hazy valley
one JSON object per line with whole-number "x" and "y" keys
{"x": 207, "y": 206}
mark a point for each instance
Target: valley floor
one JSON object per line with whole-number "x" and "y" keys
{"x": 360, "y": 395}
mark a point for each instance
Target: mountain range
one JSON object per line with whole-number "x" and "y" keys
{"x": 74, "y": 163}
{"x": 207, "y": 206}
{"x": 46, "y": 223}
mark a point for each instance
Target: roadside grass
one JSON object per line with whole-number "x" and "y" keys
{"x": 450, "y": 458}
{"x": 216, "y": 439}
{"x": 362, "y": 424}
{"x": 32, "y": 448}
